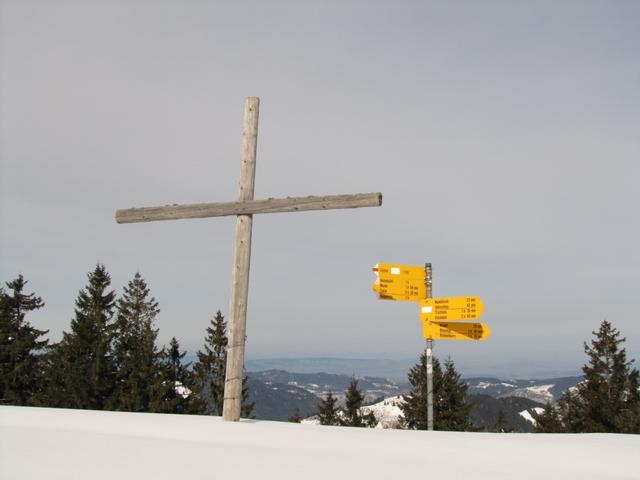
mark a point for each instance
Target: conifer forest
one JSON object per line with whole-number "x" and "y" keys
{"x": 109, "y": 359}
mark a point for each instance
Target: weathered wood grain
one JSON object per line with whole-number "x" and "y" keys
{"x": 248, "y": 207}
{"x": 240, "y": 275}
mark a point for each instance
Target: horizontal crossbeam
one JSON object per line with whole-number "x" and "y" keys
{"x": 271, "y": 205}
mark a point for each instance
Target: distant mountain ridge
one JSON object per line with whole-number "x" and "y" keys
{"x": 278, "y": 392}
{"x": 277, "y": 401}
{"x": 320, "y": 383}
{"x": 539, "y": 390}
{"x": 395, "y": 369}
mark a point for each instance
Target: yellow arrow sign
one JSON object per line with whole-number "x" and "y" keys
{"x": 405, "y": 283}
{"x": 456, "y": 331}
{"x": 451, "y": 309}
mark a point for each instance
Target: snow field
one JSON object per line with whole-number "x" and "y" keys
{"x": 38, "y": 443}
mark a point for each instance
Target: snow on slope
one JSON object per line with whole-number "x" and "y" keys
{"x": 38, "y": 443}
{"x": 527, "y": 415}
{"x": 538, "y": 393}
{"x": 386, "y": 412}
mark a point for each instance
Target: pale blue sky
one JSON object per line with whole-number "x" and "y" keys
{"x": 505, "y": 137}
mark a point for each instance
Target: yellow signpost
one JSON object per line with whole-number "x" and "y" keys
{"x": 441, "y": 317}
{"x": 451, "y": 309}
{"x": 404, "y": 283}
{"x": 455, "y": 331}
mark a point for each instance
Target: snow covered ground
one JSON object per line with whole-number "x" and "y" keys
{"x": 38, "y": 443}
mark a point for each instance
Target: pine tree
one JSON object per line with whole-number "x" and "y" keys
{"x": 210, "y": 370}
{"x": 548, "y": 421}
{"x": 628, "y": 420}
{"x": 170, "y": 391}
{"x": 328, "y": 410}
{"x": 82, "y": 369}
{"x": 502, "y": 424}
{"x": 351, "y": 414}
{"x": 21, "y": 348}
{"x": 136, "y": 355}
{"x": 296, "y": 417}
{"x": 414, "y": 407}
{"x": 450, "y": 406}
{"x": 246, "y": 407}
{"x": 179, "y": 372}
{"x": 607, "y": 400}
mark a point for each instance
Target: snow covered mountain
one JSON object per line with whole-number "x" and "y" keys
{"x": 387, "y": 411}
{"x": 542, "y": 391}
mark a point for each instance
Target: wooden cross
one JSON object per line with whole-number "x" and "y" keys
{"x": 244, "y": 208}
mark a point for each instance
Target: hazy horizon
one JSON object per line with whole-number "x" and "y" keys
{"x": 399, "y": 368}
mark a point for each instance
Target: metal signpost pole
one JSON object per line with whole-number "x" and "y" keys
{"x": 429, "y": 353}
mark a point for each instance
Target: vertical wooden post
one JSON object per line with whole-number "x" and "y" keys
{"x": 429, "y": 353}
{"x": 240, "y": 274}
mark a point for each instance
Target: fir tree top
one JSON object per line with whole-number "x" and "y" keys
{"x": 451, "y": 408}
{"x": 135, "y": 306}
{"x": 135, "y": 352}
{"x": 352, "y": 415}
{"x": 328, "y": 410}
{"x": 21, "y": 348}
{"x": 21, "y": 303}
{"x": 607, "y": 400}
{"x": 94, "y": 305}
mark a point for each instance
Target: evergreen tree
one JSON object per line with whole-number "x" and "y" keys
{"x": 414, "y": 407}
{"x": 136, "y": 355}
{"x": 246, "y": 407}
{"x": 21, "y": 348}
{"x": 502, "y": 424}
{"x": 450, "y": 406}
{"x": 179, "y": 372}
{"x": 209, "y": 370}
{"x": 82, "y": 370}
{"x": 548, "y": 421}
{"x": 352, "y": 416}
{"x": 296, "y": 417}
{"x": 328, "y": 410}
{"x": 607, "y": 400}
{"x": 170, "y": 391}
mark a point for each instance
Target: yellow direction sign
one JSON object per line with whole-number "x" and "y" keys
{"x": 451, "y": 309}
{"x": 456, "y": 331}
{"x": 405, "y": 283}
